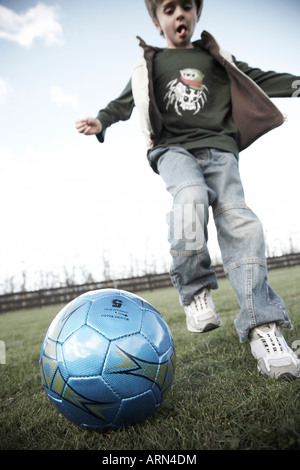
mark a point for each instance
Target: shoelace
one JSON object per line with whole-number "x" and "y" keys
{"x": 271, "y": 342}
{"x": 201, "y": 301}
{"x": 274, "y": 347}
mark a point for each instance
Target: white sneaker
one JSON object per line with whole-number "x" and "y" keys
{"x": 201, "y": 314}
{"x": 274, "y": 358}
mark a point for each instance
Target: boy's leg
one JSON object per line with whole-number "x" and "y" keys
{"x": 191, "y": 265}
{"x": 241, "y": 241}
{"x": 212, "y": 177}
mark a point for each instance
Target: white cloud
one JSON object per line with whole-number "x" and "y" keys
{"x": 60, "y": 97}
{"x": 5, "y": 90}
{"x": 40, "y": 22}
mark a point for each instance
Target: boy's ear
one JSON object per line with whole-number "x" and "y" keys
{"x": 158, "y": 27}
{"x": 200, "y": 11}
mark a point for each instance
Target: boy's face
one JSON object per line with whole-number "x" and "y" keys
{"x": 177, "y": 20}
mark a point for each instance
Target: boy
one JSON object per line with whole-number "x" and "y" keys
{"x": 199, "y": 108}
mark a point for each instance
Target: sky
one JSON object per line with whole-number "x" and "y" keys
{"x": 71, "y": 206}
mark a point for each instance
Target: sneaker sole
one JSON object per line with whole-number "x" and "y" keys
{"x": 208, "y": 327}
{"x": 288, "y": 376}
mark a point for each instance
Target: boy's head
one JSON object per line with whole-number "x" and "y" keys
{"x": 175, "y": 20}
{"x": 153, "y": 4}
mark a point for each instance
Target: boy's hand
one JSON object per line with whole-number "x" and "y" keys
{"x": 89, "y": 126}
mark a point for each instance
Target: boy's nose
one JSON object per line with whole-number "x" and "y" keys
{"x": 179, "y": 13}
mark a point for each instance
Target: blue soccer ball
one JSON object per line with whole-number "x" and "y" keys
{"x": 107, "y": 360}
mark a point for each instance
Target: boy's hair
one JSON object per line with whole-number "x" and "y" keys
{"x": 153, "y": 4}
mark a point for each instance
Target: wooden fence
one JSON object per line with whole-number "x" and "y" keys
{"x": 63, "y": 295}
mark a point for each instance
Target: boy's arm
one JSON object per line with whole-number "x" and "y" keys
{"x": 119, "y": 109}
{"x": 275, "y": 85}
{"x": 89, "y": 126}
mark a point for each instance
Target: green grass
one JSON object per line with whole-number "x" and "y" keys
{"x": 218, "y": 400}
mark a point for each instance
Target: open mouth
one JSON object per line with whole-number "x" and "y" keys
{"x": 182, "y": 30}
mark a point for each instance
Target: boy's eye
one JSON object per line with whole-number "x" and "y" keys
{"x": 169, "y": 10}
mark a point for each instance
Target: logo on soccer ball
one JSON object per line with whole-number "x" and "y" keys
{"x": 117, "y": 303}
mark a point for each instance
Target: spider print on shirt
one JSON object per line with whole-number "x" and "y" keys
{"x": 188, "y": 93}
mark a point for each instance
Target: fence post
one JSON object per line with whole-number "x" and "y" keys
{"x": 2, "y": 352}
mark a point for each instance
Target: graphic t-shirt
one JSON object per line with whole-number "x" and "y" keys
{"x": 192, "y": 91}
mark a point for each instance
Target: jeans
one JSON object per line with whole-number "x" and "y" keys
{"x": 210, "y": 177}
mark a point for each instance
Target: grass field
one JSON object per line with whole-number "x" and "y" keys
{"x": 218, "y": 399}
